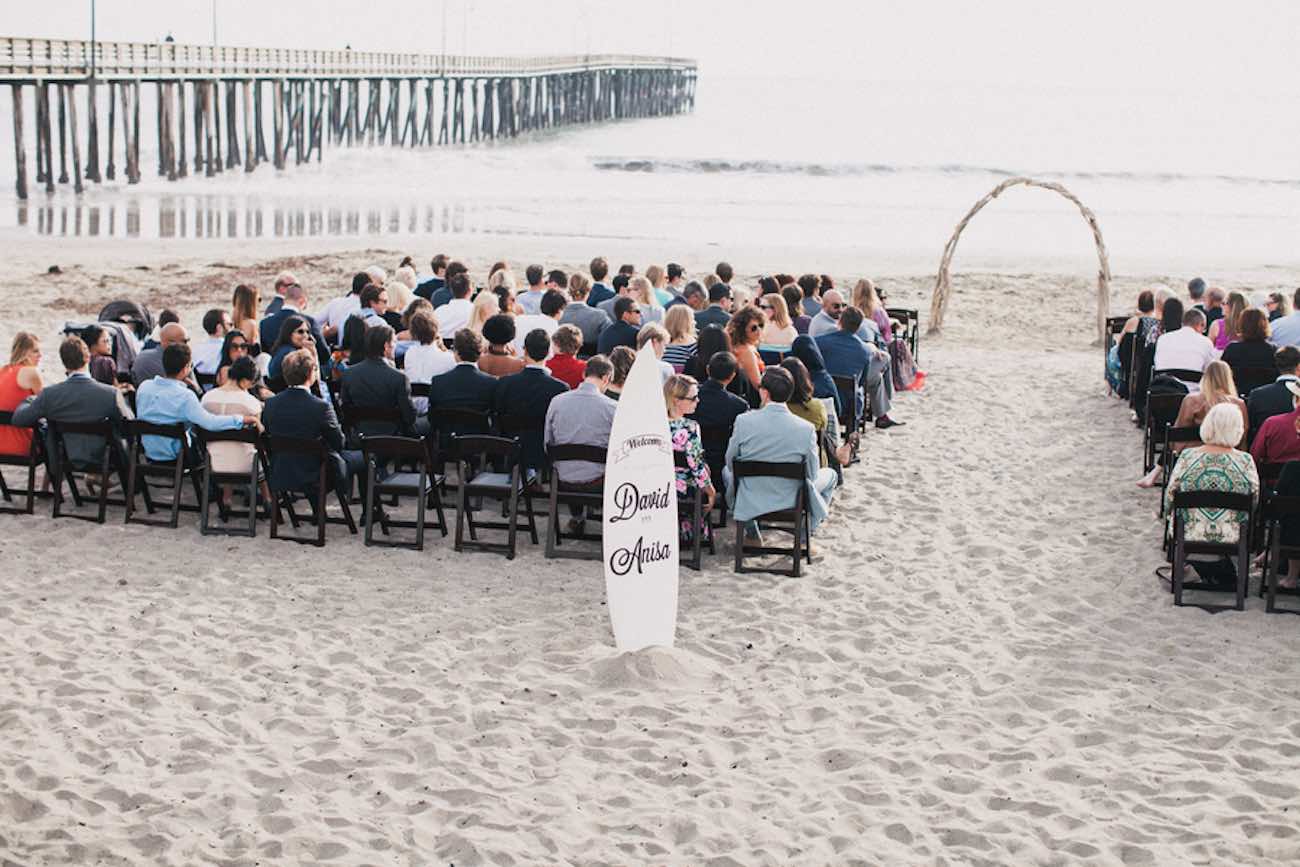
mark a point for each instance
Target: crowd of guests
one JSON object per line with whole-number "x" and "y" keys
{"x": 1234, "y": 355}
{"x": 746, "y": 375}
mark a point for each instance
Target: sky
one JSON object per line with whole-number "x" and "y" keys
{"x": 1105, "y": 44}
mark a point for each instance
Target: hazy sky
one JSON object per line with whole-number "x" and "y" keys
{"x": 1251, "y": 44}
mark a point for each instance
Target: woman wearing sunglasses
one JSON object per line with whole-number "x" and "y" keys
{"x": 682, "y": 396}
{"x": 235, "y": 347}
{"x": 746, "y": 332}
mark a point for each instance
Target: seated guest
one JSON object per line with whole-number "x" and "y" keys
{"x": 1225, "y": 329}
{"x": 77, "y": 399}
{"x": 295, "y": 333}
{"x": 626, "y": 325}
{"x": 19, "y": 380}
{"x": 148, "y": 364}
{"x": 583, "y": 416}
{"x": 206, "y": 355}
{"x": 794, "y": 303}
{"x": 805, "y": 349}
{"x": 233, "y": 348}
{"x": 465, "y": 386}
{"x": 165, "y": 318}
{"x": 719, "y": 310}
{"x": 485, "y": 306}
{"x": 679, "y": 321}
{"x": 1252, "y": 347}
{"x": 846, "y": 355}
{"x": 1278, "y": 440}
{"x": 827, "y": 320}
{"x": 600, "y": 291}
{"x": 299, "y": 414}
{"x": 778, "y": 330}
{"x": 168, "y": 400}
{"x": 640, "y": 289}
{"x": 399, "y": 297}
{"x": 621, "y": 359}
{"x": 374, "y": 305}
{"x": 682, "y": 395}
{"x": 1217, "y": 387}
{"x": 1216, "y": 465}
{"x": 774, "y": 435}
{"x": 444, "y": 295}
{"x": 427, "y": 358}
{"x": 530, "y": 301}
{"x": 527, "y": 395}
{"x": 103, "y": 367}
{"x": 811, "y": 290}
{"x": 746, "y": 331}
{"x": 376, "y": 384}
{"x": 438, "y": 269}
{"x": 655, "y": 336}
{"x": 234, "y": 397}
{"x": 341, "y": 309}
{"x": 1182, "y": 346}
{"x": 295, "y": 304}
{"x": 1266, "y": 401}
{"x": 455, "y": 314}
{"x": 282, "y": 280}
{"x": 564, "y": 364}
{"x": 620, "y": 283}
{"x": 578, "y": 313}
{"x": 1276, "y": 306}
{"x": 500, "y": 359}
{"x": 694, "y": 296}
{"x": 547, "y": 318}
{"x": 717, "y": 408}
{"x": 805, "y": 406}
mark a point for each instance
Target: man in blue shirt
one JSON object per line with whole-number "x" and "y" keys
{"x": 531, "y": 301}
{"x": 846, "y": 354}
{"x": 1286, "y": 329}
{"x": 167, "y": 400}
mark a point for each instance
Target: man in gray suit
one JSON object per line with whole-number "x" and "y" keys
{"x": 583, "y": 416}
{"x": 80, "y": 399}
{"x": 775, "y": 435}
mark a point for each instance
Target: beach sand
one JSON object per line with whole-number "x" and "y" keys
{"x": 979, "y": 668}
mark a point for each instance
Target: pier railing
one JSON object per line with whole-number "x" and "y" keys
{"x": 29, "y": 60}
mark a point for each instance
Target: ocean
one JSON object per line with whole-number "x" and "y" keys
{"x": 876, "y": 170}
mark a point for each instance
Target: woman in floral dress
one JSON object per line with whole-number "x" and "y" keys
{"x": 1215, "y": 466}
{"x": 681, "y": 395}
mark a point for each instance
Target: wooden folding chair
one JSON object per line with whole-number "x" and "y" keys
{"x": 64, "y": 470}
{"x": 1273, "y": 511}
{"x": 693, "y": 507}
{"x": 1162, "y": 411}
{"x": 1240, "y": 550}
{"x": 205, "y": 381}
{"x": 1185, "y": 436}
{"x": 35, "y": 455}
{"x": 421, "y": 482}
{"x": 311, "y": 449}
{"x": 353, "y": 417}
{"x": 249, "y": 482}
{"x": 140, "y": 470}
{"x": 794, "y": 520}
{"x": 582, "y": 495}
{"x": 446, "y": 422}
{"x": 475, "y": 457}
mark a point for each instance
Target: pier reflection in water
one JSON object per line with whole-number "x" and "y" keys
{"x": 168, "y": 217}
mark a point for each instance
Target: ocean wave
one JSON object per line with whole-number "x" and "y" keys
{"x": 706, "y": 165}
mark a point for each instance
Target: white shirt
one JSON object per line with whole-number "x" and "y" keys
{"x": 531, "y": 322}
{"x": 337, "y": 311}
{"x": 1184, "y": 349}
{"x": 423, "y": 363}
{"x": 207, "y": 355}
{"x": 453, "y": 316}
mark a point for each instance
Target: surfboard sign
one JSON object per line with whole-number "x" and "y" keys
{"x": 640, "y": 514}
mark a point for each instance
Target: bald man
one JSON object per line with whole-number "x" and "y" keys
{"x": 148, "y": 364}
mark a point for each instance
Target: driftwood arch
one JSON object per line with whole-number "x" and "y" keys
{"x": 943, "y": 284}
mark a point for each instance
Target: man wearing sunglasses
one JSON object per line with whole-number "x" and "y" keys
{"x": 719, "y": 310}
{"x": 847, "y": 354}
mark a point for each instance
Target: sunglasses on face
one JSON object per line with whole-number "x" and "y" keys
{"x": 302, "y": 331}
{"x": 755, "y": 327}
{"x": 835, "y": 306}
{"x": 693, "y": 396}
{"x": 240, "y": 346}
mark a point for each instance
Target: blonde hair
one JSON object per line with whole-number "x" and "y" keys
{"x": 677, "y": 387}
{"x": 865, "y": 297}
{"x": 680, "y": 322}
{"x": 642, "y": 292}
{"x": 653, "y": 331}
{"x": 1223, "y": 426}
{"x": 504, "y": 277}
{"x": 1235, "y": 306}
{"x": 740, "y": 297}
{"x": 24, "y": 344}
{"x": 655, "y": 274}
{"x": 407, "y": 275}
{"x": 1217, "y": 385}
{"x": 710, "y": 280}
{"x": 486, "y": 305}
{"x": 399, "y": 294}
{"x": 779, "y": 307}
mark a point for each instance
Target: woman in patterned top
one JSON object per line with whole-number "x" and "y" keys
{"x": 1217, "y": 465}
{"x": 682, "y": 395}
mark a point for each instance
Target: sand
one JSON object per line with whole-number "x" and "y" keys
{"x": 979, "y": 668}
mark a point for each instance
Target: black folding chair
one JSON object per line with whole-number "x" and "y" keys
{"x": 140, "y": 470}
{"x": 355, "y": 417}
{"x": 1162, "y": 411}
{"x": 851, "y": 421}
{"x": 311, "y": 449}
{"x": 1174, "y": 436}
{"x": 911, "y": 333}
{"x": 447, "y": 422}
{"x": 692, "y": 506}
{"x": 585, "y": 495}
{"x": 1182, "y": 374}
{"x": 475, "y": 457}
{"x": 205, "y": 381}
{"x": 35, "y": 455}
{"x": 1273, "y": 511}
{"x": 519, "y": 427}
{"x": 1240, "y": 550}
{"x": 249, "y": 482}
{"x": 65, "y": 470}
{"x": 1247, "y": 378}
{"x": 794, "y": 520}
{"x": 420, "y": 389}
{"x": 421, "y": 482}
{"x": 715, "y": 439}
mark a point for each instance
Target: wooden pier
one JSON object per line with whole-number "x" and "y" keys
{"x": 212, "y": 102}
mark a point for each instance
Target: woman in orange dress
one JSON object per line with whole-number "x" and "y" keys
{"x": 19, "y": 380}
{"x": 746, "y": 331}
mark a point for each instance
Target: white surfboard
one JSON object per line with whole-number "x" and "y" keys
{"x": 640, "y": 520}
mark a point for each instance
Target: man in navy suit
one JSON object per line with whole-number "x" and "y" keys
{"x": 527, "y": 395}
{"x": 1266, "y": 401}
{"x": 626, "y": 327}
{"x": 295, "y": 302}
{"x": 718, "y": 408}
{"x": 846, "y": 355}
{"x": 462, "y": 387}
{"x": 296, "y": 412}
{"x": 600, "y": 291}
{"x": 437, "y": 281}
{"x": 718, "y": 312}
{"x": 375, "y": 384}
